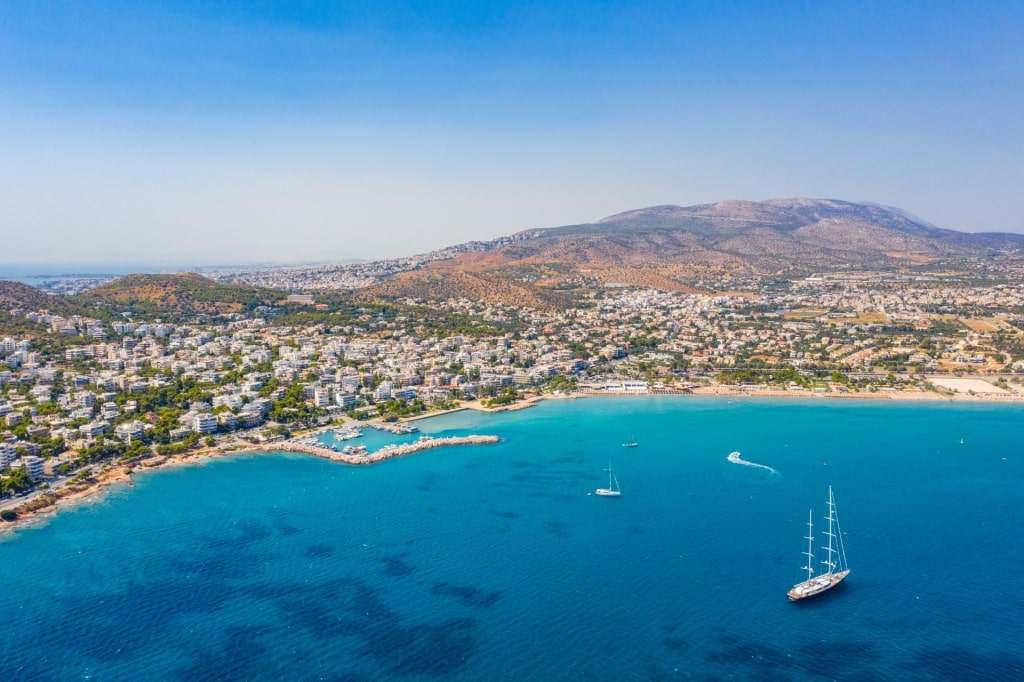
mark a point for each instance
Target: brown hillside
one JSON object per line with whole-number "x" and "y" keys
{"x": 18, "y": 295}
{"x": 669, "y": 247}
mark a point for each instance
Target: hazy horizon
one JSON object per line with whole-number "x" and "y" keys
{"x": 195, "y": 133}
{"x": 59, "y": 268}
{"x": 33, "y": 271}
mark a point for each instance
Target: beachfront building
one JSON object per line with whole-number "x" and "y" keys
{"x": 247, "y": 419}
{"x": 204, "y": 423}
{"x": 33, "y": 466}
{"x": 227, "y": 421}
{"x": 404, "y": 394}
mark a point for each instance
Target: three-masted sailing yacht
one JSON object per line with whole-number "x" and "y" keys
{"x": 835, "y": 567}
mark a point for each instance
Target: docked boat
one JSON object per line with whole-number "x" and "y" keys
{"x": 613, "y": 485}
{"x": 834, "y": 567}
{"x": 347, "y": 434}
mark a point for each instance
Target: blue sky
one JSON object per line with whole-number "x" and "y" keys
{"x": 189, "y": 133}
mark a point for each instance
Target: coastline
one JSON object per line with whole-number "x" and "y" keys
{"x": 48, "y": 504}
{"x": 894, "y": 394}
{"x": 478, "y": 406}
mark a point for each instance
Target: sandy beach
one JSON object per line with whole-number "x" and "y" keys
{"x": 478, "y": 406}
{"x": 880, "y": 394}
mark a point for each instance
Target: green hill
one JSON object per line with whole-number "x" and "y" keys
{"x": 176, "y": 296}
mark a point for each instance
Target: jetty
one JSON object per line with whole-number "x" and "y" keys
{"x": 387, "y": 452}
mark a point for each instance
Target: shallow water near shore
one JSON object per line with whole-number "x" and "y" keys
{"x": 498, "y": 562}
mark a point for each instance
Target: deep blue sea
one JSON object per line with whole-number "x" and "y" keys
{"x": 497, "y": 562}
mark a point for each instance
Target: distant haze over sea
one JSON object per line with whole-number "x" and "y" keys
{"x": 36, "y": 274}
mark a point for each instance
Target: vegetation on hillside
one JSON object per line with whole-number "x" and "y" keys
{"x": 175, "y": 297}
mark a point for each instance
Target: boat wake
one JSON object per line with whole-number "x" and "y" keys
{"x": 735, "y": 458}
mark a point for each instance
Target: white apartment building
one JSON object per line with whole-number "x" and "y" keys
{"x": 204, "y": 423}
{"x": 383, "y": 391}
{"x": 94, "y": 428}
{"x": 33, "y": 466}
{"x": 322, "y": 396}
{"x": 7, "y": 455}
{"x": 130, "y": 430}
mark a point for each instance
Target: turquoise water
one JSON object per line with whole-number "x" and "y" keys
{"x": 498, "y": 562}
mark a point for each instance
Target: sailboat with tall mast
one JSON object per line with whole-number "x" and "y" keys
{"x": 835, "y": 568}
{"x": 613, "y": 485}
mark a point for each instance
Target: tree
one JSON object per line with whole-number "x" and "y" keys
{"x": 561, "y": 383}
{"x": 507, "y": 396}
{"x": 16, "y": 481}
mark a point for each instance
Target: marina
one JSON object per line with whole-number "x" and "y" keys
{"x": 360, "y": 454}
{"x": 328, "y": 438}
{"x": 395, "y": 427}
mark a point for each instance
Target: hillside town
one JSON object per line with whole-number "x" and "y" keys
{"x": 91, "y": 391}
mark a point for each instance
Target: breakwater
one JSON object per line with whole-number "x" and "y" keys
{"x": 387, "y": 452}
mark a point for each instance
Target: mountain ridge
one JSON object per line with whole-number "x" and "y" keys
{"x": 665, "y": 246}
{"x": 671, "y": 247}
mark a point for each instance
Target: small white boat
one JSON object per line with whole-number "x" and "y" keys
{"x": 613, "y": 485}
